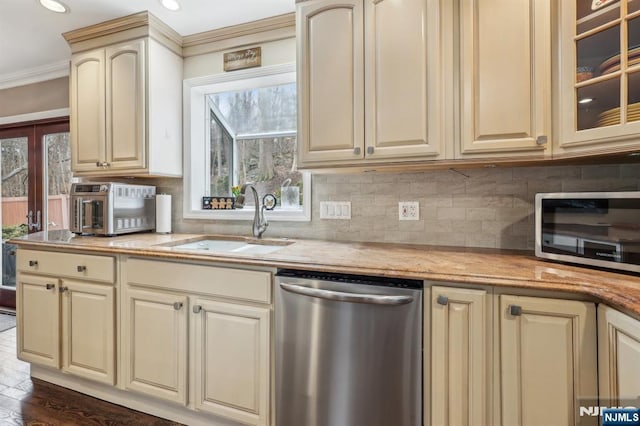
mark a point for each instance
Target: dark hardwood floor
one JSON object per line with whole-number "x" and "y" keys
{"x": 24, "y": 401}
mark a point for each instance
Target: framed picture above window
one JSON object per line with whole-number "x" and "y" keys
{"x": 241, "y": 129}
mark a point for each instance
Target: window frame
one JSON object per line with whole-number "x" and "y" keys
{"x": 195, "y": 91}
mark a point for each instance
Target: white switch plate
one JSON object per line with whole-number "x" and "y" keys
{"x": 408, "y": 210}
{"x": 335, "y": 210}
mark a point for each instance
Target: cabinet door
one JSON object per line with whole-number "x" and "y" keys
{"x": 330, "y": 81}
{"x": 459, "y": 357}
{"x": 87, "y": 110}
{"x": 548, "y": 360}
{"x": 88, "y": 330}
{"x": 599, "y": 78}
{"x": 505, "y": 66}
{"x": 38, "y": 311}
{"x": 402, "y": 83}
{"x": 232, "y": 360}
{"x": 155, "y": 344}
{"x": 126, "y": 109}
{"x": 619, "y": 358}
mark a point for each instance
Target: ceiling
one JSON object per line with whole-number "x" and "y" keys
{"x": 31, "y": 44}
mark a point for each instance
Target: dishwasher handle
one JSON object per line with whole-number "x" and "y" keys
{"x": 340, "y": 296}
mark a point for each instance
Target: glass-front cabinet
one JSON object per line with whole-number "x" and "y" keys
{"x": 599, "y": 102}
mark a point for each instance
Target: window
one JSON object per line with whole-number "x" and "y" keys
{"x": 243, "y": 129}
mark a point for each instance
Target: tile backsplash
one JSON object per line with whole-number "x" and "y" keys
{"x": 489, "y": 207}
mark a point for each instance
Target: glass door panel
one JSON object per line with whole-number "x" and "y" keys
{"x": 633, "y": 6}
{"x": 15, "y": 195}
{"x": 34, "y": 160}
{"x": 593, "y": 14}
{"x": 599, "y": 104}
{"x": 58, "y": 180}
{"x": 633, "y": 95}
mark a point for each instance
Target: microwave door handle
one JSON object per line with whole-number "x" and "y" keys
{"x": 86, "y": 217}
{"x": 79, "y": 214}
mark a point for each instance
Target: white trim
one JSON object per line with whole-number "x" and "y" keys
{"x": 35, "y": 75}
{"x": 41, "y": 115}
{"x": 194, "y": 92}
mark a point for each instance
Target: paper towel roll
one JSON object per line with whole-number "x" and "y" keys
{"x": 163, "y": 213}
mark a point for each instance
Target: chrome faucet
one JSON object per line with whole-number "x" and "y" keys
{"x": 259, "y": 221}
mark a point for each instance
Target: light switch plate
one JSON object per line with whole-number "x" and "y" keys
{"x": 408, "y": 210}
{"x": 335, "y": 210}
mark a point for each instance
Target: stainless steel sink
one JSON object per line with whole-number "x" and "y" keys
{"x": 237, "y": 245}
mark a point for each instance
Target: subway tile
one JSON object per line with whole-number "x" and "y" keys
{"x": 451, "y": 213}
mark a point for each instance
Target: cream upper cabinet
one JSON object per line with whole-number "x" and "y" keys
{"x": 368, "y": 92}
{"x": 599, "y": 84}
{"x": 88, "y": 110}
{"x": 330, "y": 81}
{"x": 505, "y": 78}
{"x": 125, "y": 99}
{"x": 460, "y": 357}
{"x": 108, "y": 108}
{"x": 548, "y": 360}
{"x": 619, "y": 358}
{"x": 232, "y": 360}
{"x": 402, "y": 81}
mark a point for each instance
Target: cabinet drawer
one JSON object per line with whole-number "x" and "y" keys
{"x": 81, "y": 266}
{"x": 241, "y": 284}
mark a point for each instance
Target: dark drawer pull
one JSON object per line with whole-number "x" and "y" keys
{"x": 515, "y": 310}
{"x": 33, "y": 263}
{"x": 50, "y": 286}
{"x": 82, "y": 268}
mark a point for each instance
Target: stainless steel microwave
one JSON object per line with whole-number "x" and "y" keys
{"x": 592, "y": 228}
{"x": 109, "y": 208}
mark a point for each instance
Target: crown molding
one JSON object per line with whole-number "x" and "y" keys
{"x": 125, "y": 28}
{"x": 35, "y": 75}
{"x": 260, "y": 31}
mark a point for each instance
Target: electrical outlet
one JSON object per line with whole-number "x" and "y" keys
{"x": 335, "y": 210}
{"x": 408, "y": 210}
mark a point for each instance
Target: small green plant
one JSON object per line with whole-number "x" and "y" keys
{"x": 14, "y": 231}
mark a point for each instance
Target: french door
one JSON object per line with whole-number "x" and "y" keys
{"x": 35, "y": 164}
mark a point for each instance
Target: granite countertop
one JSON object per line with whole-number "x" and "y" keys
{"x": 505, "y": 268}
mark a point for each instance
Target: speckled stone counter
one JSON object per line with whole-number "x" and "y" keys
{"x": 506, "y": 268}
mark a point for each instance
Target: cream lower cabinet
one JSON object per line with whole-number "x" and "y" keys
{"x": 155, "y": 343}
{"x": 619, "y": 358}
{"x": 510, "y": 360}
{"x": 460, "y": 356}
{"x": 67, "y": 323}
{"x": 548, "y": 361}
{"x": 199, "y": 336}
{"x": 231, "y": 371}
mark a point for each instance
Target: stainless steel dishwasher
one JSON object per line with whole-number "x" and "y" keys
{"x": 348, "y": 350}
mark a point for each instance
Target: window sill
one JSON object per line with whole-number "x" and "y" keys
{"x": 247, "y": 213}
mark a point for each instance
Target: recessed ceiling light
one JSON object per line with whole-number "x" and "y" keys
{"x": 54, "y": 6}
{"x": 171, "y": 4}
{"x": 585, "y": 100}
